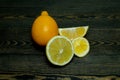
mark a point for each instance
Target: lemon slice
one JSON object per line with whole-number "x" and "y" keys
{"x": 59, "y": 50}
{"x": 81, "y": 46}
{"x": 73, "y": 32}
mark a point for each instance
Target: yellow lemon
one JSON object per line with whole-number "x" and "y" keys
{"x": 59, "y": 50}
{"x": 81, "y": 46}
{"x": 73, "y": 32}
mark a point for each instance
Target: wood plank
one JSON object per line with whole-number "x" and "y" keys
{"x": 93, "y": 20}
{"x": 32, "y": 8}
{"x": 93, "y": 64}
{"x": 54, "y": 77}
{"x": 20, "y": 54}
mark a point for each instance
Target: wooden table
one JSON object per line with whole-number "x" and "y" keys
{"x": 22, "y": 59}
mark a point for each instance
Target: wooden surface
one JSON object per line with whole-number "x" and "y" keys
{"x": 21, "y": 58}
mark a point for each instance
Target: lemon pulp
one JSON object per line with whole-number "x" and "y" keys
{"x": 59, "y": 50}
{"x": 81, "y": 46}
{"x": 73, "y": 32}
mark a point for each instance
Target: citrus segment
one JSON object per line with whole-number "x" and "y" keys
{"x": 81, "y": 46}
{"x": 73, "y": 32}
{"x": 59, "y": 50}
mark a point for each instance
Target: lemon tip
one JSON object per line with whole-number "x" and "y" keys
{"x": 44, "y": 13}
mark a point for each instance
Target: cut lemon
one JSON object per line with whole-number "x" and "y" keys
{"x": 73, "y": 32}
{"x": 81, "y": 46}
{"x": 59, "y": 50}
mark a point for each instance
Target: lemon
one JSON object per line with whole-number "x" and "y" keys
{"x": 44, "y": 28}
{"x": 81, "y": 46}
{"x": 59, "y": 50}
{"x": 73, "y": 32}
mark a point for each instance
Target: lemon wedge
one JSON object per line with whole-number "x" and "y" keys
{"x": 73, "y": 32}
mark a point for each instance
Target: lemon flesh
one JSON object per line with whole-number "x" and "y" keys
{"x": 73, "y": 32}
{"x": 59, "y": 50}
{"x": 81, "y": 46}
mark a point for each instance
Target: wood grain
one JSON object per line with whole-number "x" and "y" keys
{"x": 54, "y": 77}
{"x": 21, "y": 57}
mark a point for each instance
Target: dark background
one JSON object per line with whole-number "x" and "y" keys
{"x": 19, "y": 55}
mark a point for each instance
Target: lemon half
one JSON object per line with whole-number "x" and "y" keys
{"x": 59, "y": 50}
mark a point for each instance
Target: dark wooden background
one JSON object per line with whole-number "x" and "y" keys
{"x": 22, "y": 59}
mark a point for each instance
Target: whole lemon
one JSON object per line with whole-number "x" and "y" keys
{"x": 44, "y": 28}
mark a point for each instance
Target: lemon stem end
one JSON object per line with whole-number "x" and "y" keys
{"x": 44, "y": 13}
